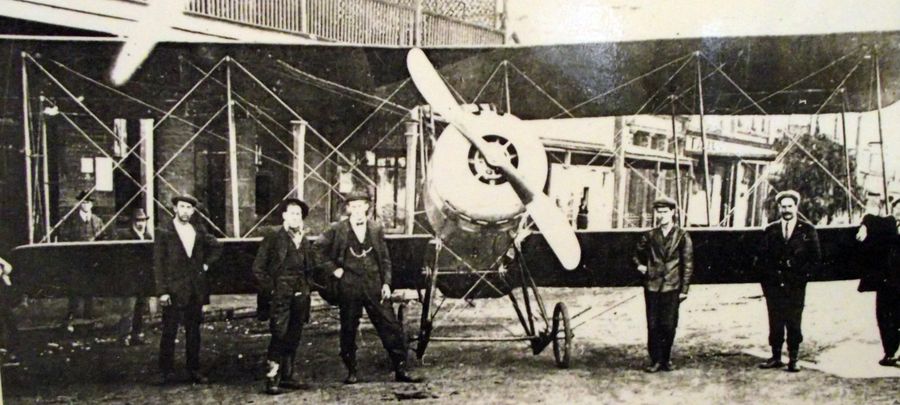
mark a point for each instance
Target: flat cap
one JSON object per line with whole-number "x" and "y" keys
{"x": 295, "y": 201}
{"x": 357, "y": 195}
{"x": 664, "y": 201}
{"x": 186, "y": 198}
{"x": 788, "y": 194}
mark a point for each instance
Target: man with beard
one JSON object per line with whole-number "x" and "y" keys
{"x": 181, "y": 255}
{"x": 665, "y": 257}
{"x": 788, "y": 255}
{"x": 282, "y": 267}
{"x": 133, "y": 326}
{"x": 356, "y": 254}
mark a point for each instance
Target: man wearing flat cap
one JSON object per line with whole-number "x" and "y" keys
{"x": 133, "y": 326}
{"x": 788, "y": 256}
{"x": 81, "y": 226}
{"x": 283, "y": 268}
{"x": 356, "y": 253}
{"x": 182, "y": 254}
{"x": 665, "y": 257}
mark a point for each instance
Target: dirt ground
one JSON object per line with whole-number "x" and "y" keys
{"x": 722, "y": 330}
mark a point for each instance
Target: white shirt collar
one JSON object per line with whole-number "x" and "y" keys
{"x": 84, "y": 216}
{"x": 187, "y": 234}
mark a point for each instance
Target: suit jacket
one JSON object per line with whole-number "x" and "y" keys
{"x": 77, "y": 230}
{"x": 178, "y": 275}
{"x": 879, "y": 254}
{"x": 335, "y": 242}
{"x": 268, "y": 267}
{"x": 790, "y": 263}
{"x": 670, "y": 262}
{"x": 131, "y": 234}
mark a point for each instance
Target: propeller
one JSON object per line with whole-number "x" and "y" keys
{"x": 548, "y": 218}
{"x": 143, "y": 36}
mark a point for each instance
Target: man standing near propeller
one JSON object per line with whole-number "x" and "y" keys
{"x": 665, "y": 257}
{"x": 357, "y": 254}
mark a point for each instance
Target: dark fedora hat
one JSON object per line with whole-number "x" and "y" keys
{"x": 139, "y": 215}
{"x": 186, "y": 198}
{"x": 295, "y": 201}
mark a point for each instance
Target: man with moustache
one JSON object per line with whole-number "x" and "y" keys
{"x": 134, "y": 335}
{"x": 788, "y": 256}
{"x": 182, "y": 254}
{"x": 665, "y": 257}
{"x": 356, "y": 253}
{"x": 283, "y": 267}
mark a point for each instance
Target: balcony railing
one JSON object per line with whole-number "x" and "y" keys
{"x": 372, "y": 22}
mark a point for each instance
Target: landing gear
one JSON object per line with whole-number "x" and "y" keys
{"x": 561, "y": 335}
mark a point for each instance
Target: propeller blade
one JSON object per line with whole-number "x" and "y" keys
{"x": 548, "y": 218}
{"x": 144, "y": 34}
{"x": 556, "y": 230}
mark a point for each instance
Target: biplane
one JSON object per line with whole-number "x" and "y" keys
{"x": 244, "y": 125}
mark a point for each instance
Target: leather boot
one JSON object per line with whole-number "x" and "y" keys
{"x": 774, "y": 361}
{"x": 402, "y": 375}
{"x": 793, "y": 355}
{"x": 273, "y": 378}
{"x": 287, "y": 374}
{"x": 350, "y": 363}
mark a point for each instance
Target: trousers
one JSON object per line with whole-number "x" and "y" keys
{"x": 287, "y": 317}
{"x": 784, "y": 306}
{"x": 662, "y": 322}
{"x": 190, "y": 316}
{"x": 356, "y": 296}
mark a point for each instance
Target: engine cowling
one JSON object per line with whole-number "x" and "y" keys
{"x": 471, "y": 206}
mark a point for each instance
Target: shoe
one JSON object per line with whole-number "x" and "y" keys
{"x": 350, "y": 363}
{"x": 771, "y": 363}
{"x": 137, "y": 340}
{"x": 667, "y": 366}
{"x": 197, "y": 378}
{"x": 887, "y": 361}
{"x": 793, "y": 367}
{"x": 351, "y": 378}
{"x": 167, "y": 377}
{"x": 288, "y": 380}
{"x": 404, "y": 377}
{"x": 653, "y": 368}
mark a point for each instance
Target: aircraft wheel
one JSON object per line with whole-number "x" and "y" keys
{"x": 562, "y": 335}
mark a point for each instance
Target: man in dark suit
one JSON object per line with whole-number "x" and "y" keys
{"x": 83, "y": 225}
{"x": 880, "y": 252}
{"x": 182, "y": 253}
{"x": 356, "y": 253}
{"x": 665, "y": 257}
{"x": 283, "y": 266}
{"x": 134, "y": 333}
{"x": 788, "y": 256}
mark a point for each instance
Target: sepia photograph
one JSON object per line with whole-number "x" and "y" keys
{"x": 449, "y": 201}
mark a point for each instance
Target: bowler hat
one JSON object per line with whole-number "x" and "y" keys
{"x": 788, "y": 194}
{"x": 295, "y": 201}
{"x": 664, "y": 201}
{"x": 139, "y": 215}
{"x": 84, "y": 195}
{"x": 357, "y": 195}
{"x": 186, "y": 198}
